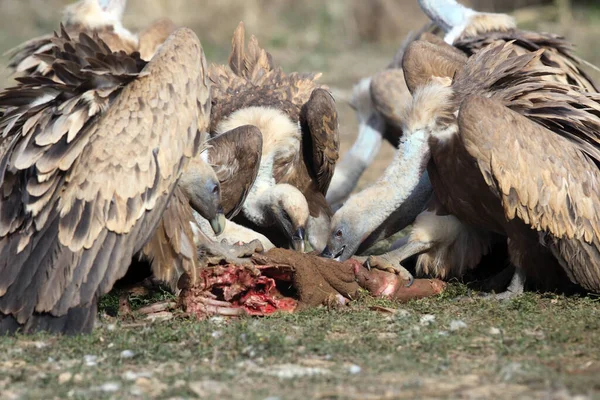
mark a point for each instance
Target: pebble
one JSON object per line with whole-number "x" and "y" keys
{"x": 427, "y": 319}
{"x": 457, "y": 324}
{"x": 127, "y": 354}
{"x": 217, "y": 334}
{"x": 354, "y": 369}
{"x": 402, "y": 313}
{"x": 90, "y": 360}
{"x": 494, "y": 331}
{"x": 110, "y": 387}
{"x": 40, "y": 345}
{"x": 64, "y": 377}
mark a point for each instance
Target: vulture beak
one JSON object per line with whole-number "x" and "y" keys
{"x": 218, "y": 223}
{"x": 327, "y": 253}
{"x": 298, "y": 240}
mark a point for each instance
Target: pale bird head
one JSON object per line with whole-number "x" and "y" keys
{"x": 289, "y": 209}
{"x": 351, "y": 225}
{"x": 201, "y": 185}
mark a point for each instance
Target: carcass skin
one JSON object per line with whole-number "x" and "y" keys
{"x": 289, "y": 281}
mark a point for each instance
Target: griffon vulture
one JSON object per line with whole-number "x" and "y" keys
{"x": 298, "y": 122}
{"x": 89, "y": 170}
{"x": 509, "y": 151}
{"x": 485, "y": 29}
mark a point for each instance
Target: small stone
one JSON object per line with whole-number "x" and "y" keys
{"x": 111, "y": 345}
{"x": 78, "y": 378}
{"x": 354, "y": 369}
{"x": 90, "y": 360}
{"x": 64, "y": 377}
{"x": 442, "y": 333}
{"x": 457, "y": 324}
{"x": 402, "y": 313}
{"x": 40, "y": 345}
{"x": 127, "y": 354}
{"x": 129, "y": 376}
{"x": 111, "y": 327}
{"x": 217, "y": 334}
{"x": 494, "y": 331}
{"x": 110, "y": 387}
{"x": 427, "y": 319}
{"x": 208, "y": 388}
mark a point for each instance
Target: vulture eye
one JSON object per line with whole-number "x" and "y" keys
{"x": 215, "y": 189}
{"x": 338, "y": 233}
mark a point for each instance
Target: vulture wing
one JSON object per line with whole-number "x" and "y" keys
{"x": 31, "y": 57}
{"x": 318, "y": 118}
{"x": 541, "y": 178}
{"x": 235, "y": 157}
{"x": 80, "y": 196}
{"x": 557, "y": 53}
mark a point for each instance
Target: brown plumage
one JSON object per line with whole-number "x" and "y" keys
{"x": 153, "y": 36}
{"x": 89, "y": 17}
{"x": 235, "y": 157}
{"x": 530, "y": 183}
{"x": 383, "y": 104}
{"x": 66, "y": 235}
{"x": 303, "y": 159}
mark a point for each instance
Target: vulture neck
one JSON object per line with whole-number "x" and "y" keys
{"x": 91, "y": 15}
{"x": 257, "y": 206}
{"x": 399, "y": 181}
{"x": 447, "y": 14}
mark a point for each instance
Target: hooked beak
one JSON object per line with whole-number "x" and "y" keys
{"x": 298, "y": 240}
{"x": 327, "y": 253}
{"x": 218, "y": 223}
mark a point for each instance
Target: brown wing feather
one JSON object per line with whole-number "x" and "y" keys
{"x": 540, "y": 178}
{"x": 235, "y": 157}
{"x": 321, "y": 138}
{"x": 524, "y": 84}
{"x": 29, "y": 58}
{"x": 558, "y": 53}
{"x": 171, "y": 249}
{"x": 75, "y": 235}
{"x": 253, "y": 80}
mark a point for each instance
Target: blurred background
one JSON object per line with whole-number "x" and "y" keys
{"x": 345, "y": 39}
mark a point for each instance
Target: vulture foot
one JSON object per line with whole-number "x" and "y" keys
{"x": 236, "y": 254}
{"x": 387, "y": 263}
{"x": 514, "y": 289}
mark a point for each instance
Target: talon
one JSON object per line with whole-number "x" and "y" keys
{"x": 368, "y": 264}
{"x": 411, "y": 280}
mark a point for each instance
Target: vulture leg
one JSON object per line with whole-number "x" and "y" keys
{"x": 515, "y": 288}
{"x": 392, "y": 260}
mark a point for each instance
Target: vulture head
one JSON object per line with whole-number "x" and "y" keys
{"x": 277, "y": 204}
{"x": 289, "y": 210}
{"x": 201, "y": 186}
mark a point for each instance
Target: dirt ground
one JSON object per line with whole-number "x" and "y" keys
{"x": 537, "y": 346}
